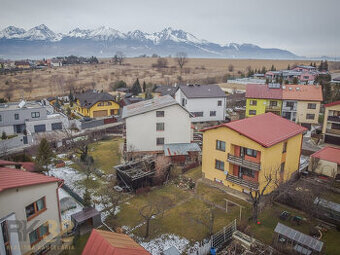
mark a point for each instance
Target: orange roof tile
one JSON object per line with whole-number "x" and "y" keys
{"x": 333, "y": 103}
{"x": 266, "y": 129}
{"x": 108, "y": 243}
{"x": 12, "y": 178}
{"x": 302, "y": 92}
{"x": 329, "y": 154}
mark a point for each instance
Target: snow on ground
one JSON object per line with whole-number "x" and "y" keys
{"x": 158, "y": 245}
{"x": 66, "y": 215}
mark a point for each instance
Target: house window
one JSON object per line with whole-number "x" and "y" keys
{"x": 0, "y": 117}
{"x": 101, "y": 104}
{"x": 39, "y": 128}
{"x": 16, "y": 116}
{"x": 311, "y": 106}
{"x": 310, "y": 116}
{"x": 219, "y": 164}
{"x": 38, "y": 234}
{"x": 183, "y": 102}
{"x": 251, "y": 153}
{"x": 252, "y": 112}
{"x": 160, "y": 126}
{"x": 159, "y": 113}
{"x": 220, "y": 145}
{"x": 197, "y": 114}
{"x": 109, "y": 103}
{"x": 290, "y": 104}
{"x": 35, "y": 114}
{"x": 5, "y": 235}
{"x": 56, "y": 126}
{"x": 273, "y": 103}
{"x": 212, "y": 113}
{"x": 160, "y": 141}
{"x": 253, "y": 102}
{"x": 35, "y": 208}
{"x": 247, "y": 172}
{"x": 284, "y": 147}
{"x": 219, "y": 103}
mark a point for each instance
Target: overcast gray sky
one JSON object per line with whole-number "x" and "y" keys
{"x": 305, "y": 27}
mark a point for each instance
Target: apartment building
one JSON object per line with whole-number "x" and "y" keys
{"x": 204, "y": 102}
{"x": 331, "y": 123}
{"x": 152, "y": 123}
{"x": 30, "y": 117}
{"x": 29, "y": 212}
{"x": 241, "y": 154}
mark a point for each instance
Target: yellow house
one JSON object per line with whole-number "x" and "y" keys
{"x": 331, "y": 123}
{"x": 96, "y": 104}
{"x": 262, "y": 99}
{"x": 243, "y": 153}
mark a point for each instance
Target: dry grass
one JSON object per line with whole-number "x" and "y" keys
{"x": 56, "y": 81}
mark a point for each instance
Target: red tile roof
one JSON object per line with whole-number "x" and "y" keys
{"x": 333, "y": 103}
{"x": 8, "y": 163}
{"x": 262, "y": 91}
{"x": 12, "y": 178}
{"x": 302, "y": 92}
{"x": 329, "y": 154}
{"x": 28, "y": 166}
{"x": 108, "y": 243}
{"x": 266, "y": 129}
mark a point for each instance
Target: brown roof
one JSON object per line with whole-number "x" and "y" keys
{"x": 302, "y": 92}
{"x": 263, "y": 91}
{"x": 202, "y": 91}
{"x": 89, "y": 98}
{"x": 85, "y": 214}
{"x": 329, "y": 154}
{"x": 108, "y": 243}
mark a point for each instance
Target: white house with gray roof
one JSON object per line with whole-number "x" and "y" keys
{"x": 204, "y": 102}
{"x": 152, "y": 123}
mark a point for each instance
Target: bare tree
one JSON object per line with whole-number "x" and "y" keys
{"x": 231, "y": 68}
{"x": 149, "y": 212}
{"x": 162, "y": 167}
{"x": 110, "y": 199}
{"x": 203, "y": 216}
{"x": 8, "y": 94}
{"x": 181, "y": 59}
{"x": 161, "y": 63}
{"x": 119, "y": 57}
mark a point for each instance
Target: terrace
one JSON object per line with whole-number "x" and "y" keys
{"x": 243, "y": 162}
{"x": 239, "y": 181}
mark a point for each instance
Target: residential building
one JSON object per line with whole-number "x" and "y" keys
{"x": 326, "y": 162}
{"x": 95, "y": 104}
{"x": 298, "y": 103}
{"x": 22, "y": 64}
{"x": 103, "y": 242}
{"x": 242, "y": 154}
{"x": 152, "y": 123}
{"x": 30, "y": 117}
{"x": 331, "y": 123}
{"x": 263, "y": 98}
{"x": 25, "y": 166}
{"x": 204, "y": 102}
{"x": 162, "y": 90}
{"x": 29, "y": 212}
{"x": 304, "y": 68}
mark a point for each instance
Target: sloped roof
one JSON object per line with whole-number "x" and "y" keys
{"x": 177, "y": 149}
{"x": 148, "y": 106}
{"x": 202, "y": 91}
{"x": 266, "y": 129}
{"x": 299, "y": 237}
{"x": 263, "y": 91}
{"x": 328, "y": 153}
{"x": 90, "y": 97}
{"x": 302, "y": 92}
{"x": 332, "y": 104}
{"x": 85, "y": 214}
{"x": 108, "y": 243}
{"x": 166, "y": 90}
{"x": 28, "y": 166}
{"x": 12, "y": 178}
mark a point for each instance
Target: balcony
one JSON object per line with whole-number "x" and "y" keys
{"x": 289, "y": 108}
{"x": 333, "y": 131}
{"x": 242, "y": 162}
{"x": 334, "y": 118}
{"x": 241, "y": 182}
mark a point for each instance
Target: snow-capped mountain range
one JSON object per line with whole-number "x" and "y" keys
{"x": 40, "y": 41}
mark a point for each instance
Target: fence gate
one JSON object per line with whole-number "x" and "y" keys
{"x": 224, "y": 236}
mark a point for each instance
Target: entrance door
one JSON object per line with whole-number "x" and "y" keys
{"x": 112, "y": 112}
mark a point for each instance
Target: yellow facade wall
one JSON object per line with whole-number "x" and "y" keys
{"x": 325, "y": 118}
{"x": 302, "y": 111}
{"x": 261, "y": 106}
{"x": 99, "y": 106}
{"x": 270, "y": 157}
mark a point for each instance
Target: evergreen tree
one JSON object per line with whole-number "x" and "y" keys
{"x": 144, "y": 86}
{"x": 320, "y": 68}
{"x": 87, "y": 198}
{"x": 295, "y": 80}
{"x": 136, "y": 88}
{"x": 288, "y": 67}
{"x": 272, "y": 68}
{"x": 44, "y": 154}
{"x": 325, "y": 66}
{"x": 264, "y": 70}
{"x": 4, "y": 135}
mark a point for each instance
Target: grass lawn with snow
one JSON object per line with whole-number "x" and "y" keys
{"x": 106, "y": 154}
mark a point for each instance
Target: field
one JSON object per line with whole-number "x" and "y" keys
{"x": 34, "y": 84}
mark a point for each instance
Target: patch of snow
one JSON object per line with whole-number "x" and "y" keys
{"x": 117, "y": 210}
{"x": 158, "y": 245}
{"x": 66, "y": 215}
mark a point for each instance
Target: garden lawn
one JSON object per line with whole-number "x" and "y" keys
{"x": 106, "y": 154}
{"x": 270, "y": 217}
{"x": 195, "y": 173}
{"x": 78, "y": 245}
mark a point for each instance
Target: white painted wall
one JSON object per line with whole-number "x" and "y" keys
{"x": 13, "y": 237}
{"x": 17, "y": 199}
{"x": 204, "y": 105}
{"x": 141, "y": 131}
{"x": 53, "y": 118}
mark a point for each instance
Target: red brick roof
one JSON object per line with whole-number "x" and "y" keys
{"x": 12, "y": 178}
{"x": 329, "y": 154}
{"x": 28, "y": 166}
{"x": 333, "y": 103}
{"x": 108, "y": 243}
{"x": 262, "y": 91}
{"x": 266, "y": 129}
{"x": 302, "y": 92}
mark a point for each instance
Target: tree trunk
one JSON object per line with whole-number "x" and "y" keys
{"x": 255, "y": 210}
{"x": 147, "y": 228}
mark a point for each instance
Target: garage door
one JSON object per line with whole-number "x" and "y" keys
{"x": 99, "y": 113}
